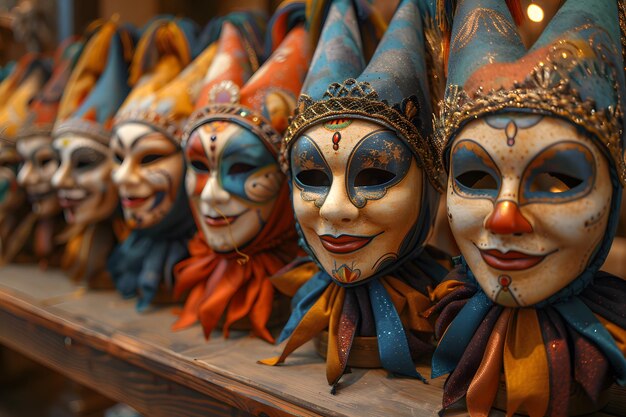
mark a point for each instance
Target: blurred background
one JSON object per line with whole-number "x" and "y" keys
{"x": 39, "y": 24}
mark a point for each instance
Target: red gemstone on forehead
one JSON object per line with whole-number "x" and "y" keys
{"x": 336, "y": 139}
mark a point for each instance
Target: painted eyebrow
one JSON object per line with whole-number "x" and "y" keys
{"x": 32, "y": 155}
{"x": 135, "y": 141}
{"x": 317, "y": 148}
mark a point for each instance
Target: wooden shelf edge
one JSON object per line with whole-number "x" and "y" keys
{"x": 87, "y": 355}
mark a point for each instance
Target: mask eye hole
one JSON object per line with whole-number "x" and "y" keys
{"x": 118, "y": 158}
{"x": 84, "y": 163}
{"x": 554, "y": 182}
{"x": 240, "y": 168}
{"x": 150, "y": 158}
{"x": 372, "y": 177}
{"x": 45, "y": 160}
{"x": 477, "y": 180}
{"x": 313, "y": 178}
{"x": 199, "y": 166}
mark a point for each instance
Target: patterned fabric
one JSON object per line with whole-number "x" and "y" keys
{"x": 97, "y": 87}
{"x": 582, "y": 342}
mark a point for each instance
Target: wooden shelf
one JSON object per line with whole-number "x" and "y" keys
{"x": 100, "y": 341}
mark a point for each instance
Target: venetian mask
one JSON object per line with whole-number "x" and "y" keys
{"x": 83, "y": 179}
{"x": 233, "y": 182}
{"x": 528, "y": 203}
{"x": 148, "y": 171}
{"x": 11, "y": 196}
{"x": 40, "y": 163}
{"x": 356, "y": 194}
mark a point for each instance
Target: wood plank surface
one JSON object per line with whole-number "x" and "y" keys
{"x": 99, "y": 340}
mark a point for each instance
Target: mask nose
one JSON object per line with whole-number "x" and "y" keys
{"x": 26, "y": 175}
{"x": 213, "y": 193}
{"x": 126, "y": 174}
{"x": 62, "y": 178}
{"x": 337, "y": 207}
{"x": 506, "y": 218}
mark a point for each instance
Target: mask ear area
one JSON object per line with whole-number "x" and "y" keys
{"x": 278, "y": 108}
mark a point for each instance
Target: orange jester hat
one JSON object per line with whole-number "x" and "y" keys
{"x": 238, "y": 194}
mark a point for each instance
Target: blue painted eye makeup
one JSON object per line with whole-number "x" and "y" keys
{"x": 243, "y": 156}
{"x": 475, "y": 174}
{"x": 562, "y": 172}
{"x": 309, "y": 171}
{"x": 378, "y": 162}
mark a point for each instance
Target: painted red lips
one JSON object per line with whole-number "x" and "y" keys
{"x": 510, "y": 261}
{"x": 219, "y": 221}
{"x": 133, "y": 201}
{"x": 344, "y": 243}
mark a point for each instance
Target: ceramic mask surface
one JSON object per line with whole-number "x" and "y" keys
{"x": 356, "y": 194}
{"x": 35, "y": 174}
{"x": 528, "y": 203}
{"x": 11, "y": 195}
{"x": 83, "y": 179}
{"x": 233, "y": 182}
{"x": 148, "y": 171}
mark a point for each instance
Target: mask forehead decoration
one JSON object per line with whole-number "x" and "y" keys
{"x": 359, "y": 155}
{"x": 148, "y": 165}
{"x": 92, "y": 92}
{"x": 237, "y": 191}
{"x": 532, "y": 140}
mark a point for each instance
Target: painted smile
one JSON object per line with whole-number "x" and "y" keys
{"x": 222, "y": 221}
{"x": 511, "y": 260}
{"x": 133, "y": 201}
{"x": 345, "y": 243}
{"x": 70, "y": 198}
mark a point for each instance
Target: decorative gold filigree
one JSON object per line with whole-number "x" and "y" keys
{"x": 165, "y": 124}
{"x": 544, "y": 91}
{"x": 359, "y": 100}
{"x": 238, "y": 114}
{"x": 488, "y": 18}
{"x": 83, "y": 127}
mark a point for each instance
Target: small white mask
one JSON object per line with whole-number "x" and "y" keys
{"x": 40, "y": 163}
{"x": 83, "y": 179}
{"x": 148, "y": 171}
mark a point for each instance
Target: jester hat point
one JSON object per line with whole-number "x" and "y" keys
{"x": 16, "y": 92}
{"x": 97, "y": 87}
{"x": 393, "y": 90}
{"x": 44, "y": 108}
{"x": 574, "y": 71}
{"x": 264, "y": 104}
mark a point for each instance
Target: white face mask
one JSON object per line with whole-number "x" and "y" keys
{"x": 356, "y": 194}
{"x": 83, "y": 180}
{"x": 148, "y": 171}
{"x": 233, "y": 182}
{"x": 11, "y": 195}
{"x": 40, "y": 163}
{"x": 528, "y": 203}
